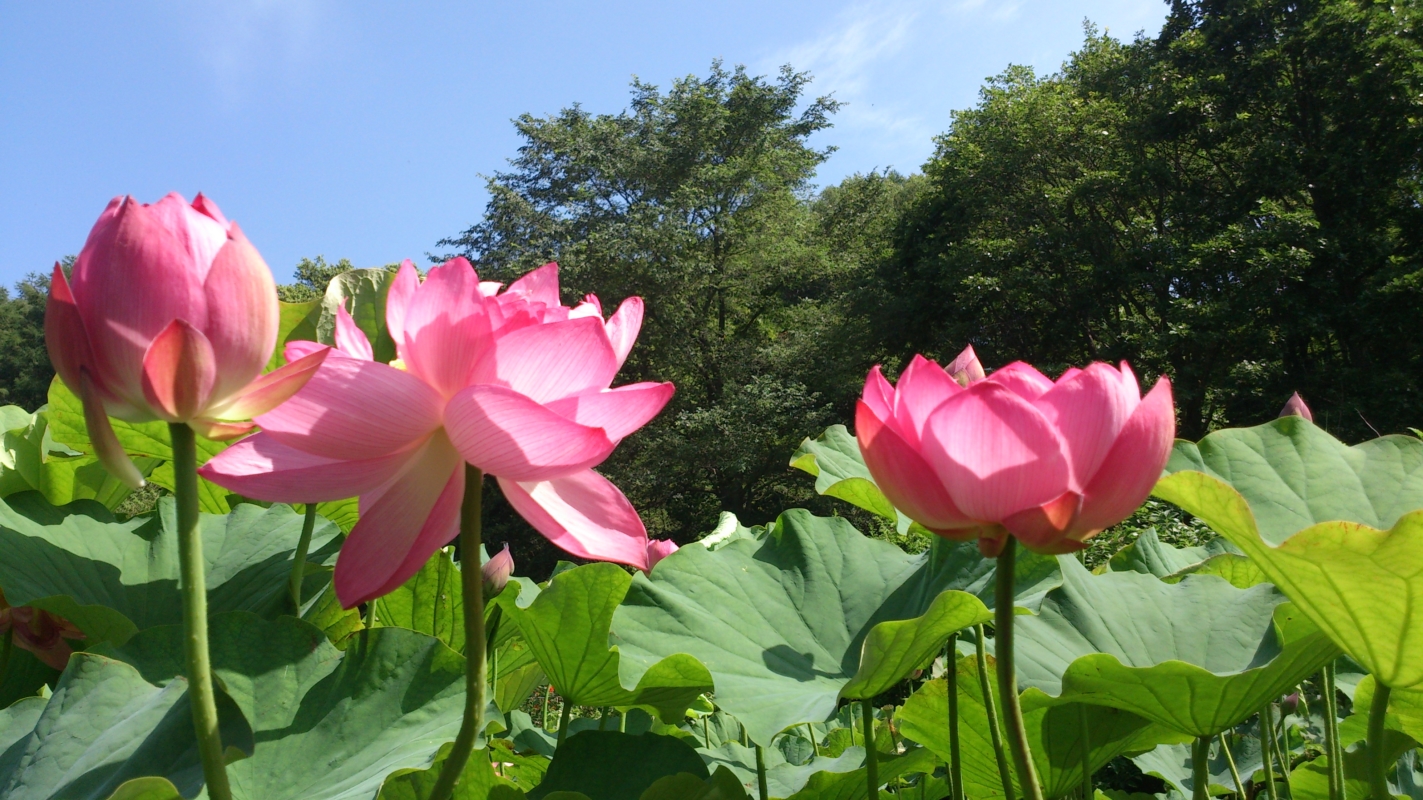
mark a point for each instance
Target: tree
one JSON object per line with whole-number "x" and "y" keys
{"x": 25, "y": 371}
{"x": 312, "y": 275}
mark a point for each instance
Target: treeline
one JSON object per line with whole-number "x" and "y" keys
{"x": 1236, "y": 202}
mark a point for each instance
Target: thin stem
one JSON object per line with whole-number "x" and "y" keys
{"x": 308, "y": 524}
{"x": 623, "y": 721}
{"x": 548, "y": 700}
{"x": 1086, "y": 751}
{"x": 1234, "y": 771}
{"x": 814, "y": 743}
{"x": 1282, "y": 750}
{"x": 193, "y": 584}
{"x": 1201, "y": 768}
{"x": 761, "y": 774}
{"x": 1331, "y": 732}
{"x": 564, "y": 717}
{"x": 994, "y": 733}
{"x": 951, "y": 679}
{"x": 472, "y": 587}
{"x": 706, "y": 733}
{"x": 871, "y": 754}
{"x": 1267, "y": 746}
{"x": 371, "y": 615}
{"x": 1007, "y": 677}
{"x": 603, "y": 719}
{"x": 1378, "y": 765}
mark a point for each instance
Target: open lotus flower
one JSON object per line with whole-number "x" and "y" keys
{"x": 39, "y": 632}
{"x": 511, "y": 382}
{"x": 1015, "y": 453}
{"x": 170, "y": 314}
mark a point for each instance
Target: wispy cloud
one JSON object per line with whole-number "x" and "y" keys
{"x": 238, "y": 39}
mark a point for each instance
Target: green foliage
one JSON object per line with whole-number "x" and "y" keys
{"x": 25, "y": 371}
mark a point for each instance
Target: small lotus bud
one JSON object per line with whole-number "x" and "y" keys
{"x": 1295, "y": 407}
{"x": 966, "y": 368}
{"x": 497, "y": 571}
{"x": 1290, "y": 704}
{"x": 658, "y": 549}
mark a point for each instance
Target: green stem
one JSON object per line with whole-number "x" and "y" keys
{"x": 1378, "y": 765}
{"x": 371, "y": 615}
{"x": 761, "y": 774}
{"x": 990, "y": 707}
{"x": 193, "y": 584}
{"x": 871, "y": 754}
{"x": 603, "y": 718}
{"x": 706, "y": 734}
{"x": 308, "y": 524}
{"x": 472, "y": 587}
{"x": 814, "y": 743}
{"x": 1267, "y": 747}
{"x": 1282, "y": 750}
{"x": 951, "y": 679}
{"x": 1007, "y": 677}
{"x": 1086, "y": 751}
{"x": 548, "y": 701}
{"x": 564, "y": 717}
{"x": 1332, "y": 750}
{"x": 1234, "y": 771}
{"x": 1201, "y": 768}
{"x": 623, "y": 721}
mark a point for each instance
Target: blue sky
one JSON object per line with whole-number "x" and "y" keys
{"x": 360, "y": 129}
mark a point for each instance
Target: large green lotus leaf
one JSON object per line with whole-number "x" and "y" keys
{"x": 430, "y": 602}
{"x": 1054, "y": 734}
{"x": 16, "y": 721}
{"x": 363, "y": 293}
{"x": 722, "y": 785}
{"x": 1310, "y": 780}
{"x": 1328, "y": 523}
{"x": 783, "y": 778}
{"x": 1154, "y": 557}
{"x": 478, "y": 781}
{"x": 852, "y": 785}
{"x": 112, "y": 578}
{"x": 814, "y": 612}
{"x": 1172, "y": 763}
{"x": 607, "y": 765}
{"x": 1238, "y": 571}
{"x": 566, "y": 628}
{"x": 1405, "y": 709}
{"x": 296, "y": 322}
{"x": 328, "y": 724}
{"x": 30, "y": 459}
{"x": 105, "y": 725}
{"x": 146, "y": 440}
{"x": 1197, "y": 656}
{"x": 24, "y": 675}
{"x": 834, "y": 459}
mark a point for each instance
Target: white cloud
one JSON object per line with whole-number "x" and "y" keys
{"x": 239, "y": 38}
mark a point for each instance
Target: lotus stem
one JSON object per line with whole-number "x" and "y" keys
{"x": 548, "y": 701}
{"x": 814, "y": 743}
{"x": 1378, "y": 765}
{"x": 603, "y": 719}
{"x": 1007, "y": 677}
{"x": 951, "y": 679}
{"x": 565, "y": 716}
{"x": 867, "y": 712}
{"x": 1201, "y": 768}
{"x": 1332, "y": 750}
{"x": 308, "y": 524}
{"x": 623, "y": 721}
{"x": 472, "y": 587}
{"x": 1282, "y": 751}
{"x": 761, "y": 773}
{"x": 1234, "y": 771}
{"x": 706, "y": 734}
{"x": 994, "y": 733}
{"x": 193, "y": 586}
{"x": 1267, "y": 748}
{"x": 1086, "y": 751}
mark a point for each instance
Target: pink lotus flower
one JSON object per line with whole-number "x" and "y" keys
{"x": 658, "y": 549}
{"x": 39, "y": 632}
{"x": 1015, "y": 453}
{"x": 170, "y": 314}
{"x": 496, "y": 573}
{"x": 512, "y": 382}
{"x": 1295, "y": 407}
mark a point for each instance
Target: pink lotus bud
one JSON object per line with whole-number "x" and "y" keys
{"x": 1049, "y": 463}
{"x": 1290, "y": 703}
{"x": 658, "y": 549}
{"x": 1295, "y": 407}
{"x": 170, "y": 314}
{"x": 966, "y": 368}
{"x": 497, "y": 572}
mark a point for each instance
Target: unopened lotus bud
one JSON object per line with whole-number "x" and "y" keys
{"x": 1290, "y": 704}
{"x": 966, "y": 368}
{"x": 497, "y": 572}
{"x": 658, "y": 549}
{"x": 1295, "y": 407}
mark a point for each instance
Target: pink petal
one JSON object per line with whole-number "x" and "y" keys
{"x": 585, "y": 515}
{"x": 447, "y": 326}
{"x": 995, "y": 452}
{"x": 272, "y": 389}
{"x": 1133, "y": 465}
{"x": 879, "y": 395}
{"x": 658, "y": 549}
{"x": 551, "y": 361}
{"x": 624, "y": 326}
{"x": 411, "y": 518}
{"x": 355, "y": 409}
{"x": 133, "y": 277}
{"x": 263, "y": 468}
{"x": 397, "y": 303}
{"x": 590, "y": 307}
{"x": 538, "y": 286}
{"x": 179, "y": 371}
{"x": 921, "y": 389}
{"x": 905, "y": 478}
{"x": 199, "y": 233}
{"x": 297, "y": 349}
{"x": 618, "y": 411}
{"x": 1294, "y": 407}
{"x": 205, "y": 206}
{"x": 101, "y": 435}
{"x": 219, "y": 431}
{"x": 64, "y": 334}
{"x": 1089, "y": 409}
{"x": 1023, "y": 380}
{"x": 505, "y": 433}
{"x": 1043, "y": 529}
{"x": 243, "y": 314}
{"x": 350, "y": 339}
{"x": 966, "y": 368}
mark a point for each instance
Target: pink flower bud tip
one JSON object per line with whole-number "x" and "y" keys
{"x": 1295, "y": 407}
